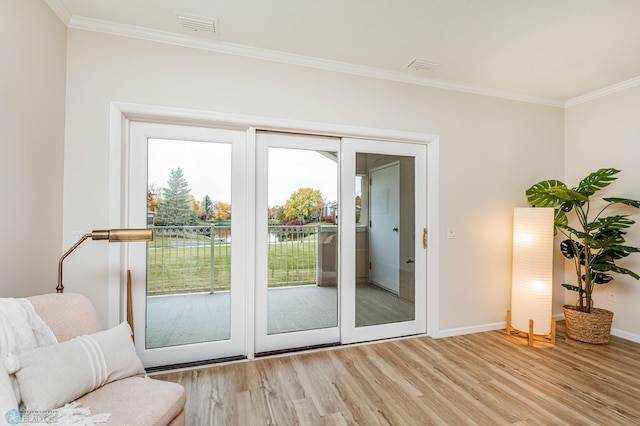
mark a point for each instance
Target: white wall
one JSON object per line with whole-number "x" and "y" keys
{"x": 32, "y": 102}
{"x": 606, "y": 133}
{"x": 491, "y": 149}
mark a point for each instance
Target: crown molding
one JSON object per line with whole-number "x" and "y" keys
{"x": 89, "y": 24}
{"x": 605, "y": 91}
{"x": 61, "y": 12}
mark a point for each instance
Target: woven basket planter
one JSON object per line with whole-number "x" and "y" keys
{"x": 594, "y": 327}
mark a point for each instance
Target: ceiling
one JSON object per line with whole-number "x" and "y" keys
{"x": 545, "y": 51}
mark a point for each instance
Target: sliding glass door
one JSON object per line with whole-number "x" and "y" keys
{"x": 268, "y": 241}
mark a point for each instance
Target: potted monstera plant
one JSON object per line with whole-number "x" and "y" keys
{"x": 594, "y": 242}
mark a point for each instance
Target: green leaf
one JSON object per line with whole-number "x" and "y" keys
{"x": 575, "y": 196}
{"x": 627, "y": 249}
{"x": 606, "y": 238}
{"x": 601, "y": 278}
{"x": 573, "y": 288}
{"x": 548, "y": 193}
{"x": 571, "y": 249}
{"x": 604, "y": 267}
{"x": 609, "y": 256}
{"x": 612, "y": 222}
{"x": 588, "y": 239}
{"x": 627, "y": 201}
{"x": 559, "y": 220}
{"x": 596, "y": 181}
{"x": 567, "y": 206}
{"x": 614, "y": 252}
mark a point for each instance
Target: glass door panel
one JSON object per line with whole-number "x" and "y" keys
{"x": 189, "y": 259}
{"x": 388, "y": 298}
{"x": 386, "y": 294}
{"x": 297, "y": 259}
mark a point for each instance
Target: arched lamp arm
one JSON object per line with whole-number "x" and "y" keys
{"x": 60, "y": 287}
{"x": 113, "y": 235}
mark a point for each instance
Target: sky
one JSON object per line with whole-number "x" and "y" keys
{"x": 207, "y": 168}
{"x": 290, "y": 169}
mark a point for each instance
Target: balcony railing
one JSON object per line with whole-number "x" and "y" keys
{"x": 189, "y": 259}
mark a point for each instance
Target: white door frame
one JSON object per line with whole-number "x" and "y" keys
{"x": 273, "y": 342}
{"x": 120, "y": 115}
{"x": 136, "y": 215}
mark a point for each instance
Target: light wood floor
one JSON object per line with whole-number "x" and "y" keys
{"x": 485, "y": 379}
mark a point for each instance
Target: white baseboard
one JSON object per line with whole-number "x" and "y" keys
{"x": 625, "y": 335}
{"x": 481, "y": 328}
{"x": 614, "y": 331}
{"x": 472, "y": 329}
{"x": 503, "y": 325}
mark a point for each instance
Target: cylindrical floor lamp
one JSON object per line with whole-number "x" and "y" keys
{"x": 532, "y": 274}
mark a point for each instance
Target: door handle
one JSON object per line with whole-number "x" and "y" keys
{"x": 410, "y": 261}
{"x": 395, "y": 229}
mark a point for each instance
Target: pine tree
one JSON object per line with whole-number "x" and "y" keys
{"x": 206, "y": 208}
{"x": 176, "y": 207}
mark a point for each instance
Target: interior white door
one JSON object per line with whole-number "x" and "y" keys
{"x": 189, "y": 284}
{"x": 384, "y": 222}
{"x": 372, "y": 305}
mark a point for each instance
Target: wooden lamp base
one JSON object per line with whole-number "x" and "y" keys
{"x": 551, "y": 337}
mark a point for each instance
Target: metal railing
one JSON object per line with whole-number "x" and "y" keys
{"x": 189, "y": 259}
{"x": 293, "y": 255}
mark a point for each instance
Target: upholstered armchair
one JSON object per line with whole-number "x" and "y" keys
{"x": 135, "y": 400}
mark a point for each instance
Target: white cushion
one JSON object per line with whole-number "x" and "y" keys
{"x": 51, "y": 376}
{"x": 8, "y": 401}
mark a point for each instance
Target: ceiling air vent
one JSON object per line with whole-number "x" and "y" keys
{"x": 422, "y": 64}
{"x": 198, "y": 25}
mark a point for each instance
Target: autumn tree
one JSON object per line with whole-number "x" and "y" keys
{"x": 176, "y": 208}
{"x": 154, "y": 197}
{"x": 221, "y": 211}
{"x": 277, "y": 213}
{"x": 303, "y": 204}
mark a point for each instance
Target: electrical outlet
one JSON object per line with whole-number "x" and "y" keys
{"x": 612, "y": 296}
{"x": 452, "y": 233}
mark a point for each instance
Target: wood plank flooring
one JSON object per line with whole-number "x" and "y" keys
{"x": 479, "y": 379}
